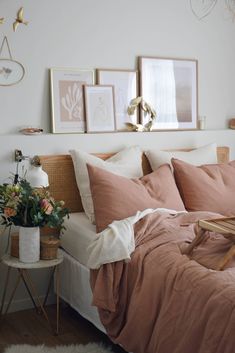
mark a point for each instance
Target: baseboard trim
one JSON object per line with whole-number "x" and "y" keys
{"x": 26, "y": 303}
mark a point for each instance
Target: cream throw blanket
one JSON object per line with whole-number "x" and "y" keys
{"x": 117, "y": 242}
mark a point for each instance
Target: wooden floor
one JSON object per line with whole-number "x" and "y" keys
{"x": 28, "y": 327}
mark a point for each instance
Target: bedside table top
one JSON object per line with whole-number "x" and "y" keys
{"x": 16, "y": 263}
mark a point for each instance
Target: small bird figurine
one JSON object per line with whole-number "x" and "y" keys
{"x": 19, "y": 19}
{"x": 1, "y": 20}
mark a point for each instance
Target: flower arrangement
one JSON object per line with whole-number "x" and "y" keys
{"x": 22, "y": 205}
{"x": 147, "y": 109}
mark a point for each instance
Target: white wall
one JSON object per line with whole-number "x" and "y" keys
{"x": 111, "y": 34}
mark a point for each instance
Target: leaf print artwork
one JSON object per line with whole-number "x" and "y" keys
{"x": 71, "y": 99}
{"x": 67, "y": 99}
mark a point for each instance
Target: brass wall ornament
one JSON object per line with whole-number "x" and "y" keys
{"x": 147, "y": 109}
{"x": 20, "y": 19}
{"x": 11, "y": 71}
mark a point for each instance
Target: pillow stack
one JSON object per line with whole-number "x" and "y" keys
{"x": 206, "y": 188}
{"x": 116, "y": 188}
{"x": 127, "y": 162}
{"x": 202, "y": 155}
{"x": 116, "y": 197}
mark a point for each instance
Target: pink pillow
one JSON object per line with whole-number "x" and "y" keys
{"x": 116, "y": 197}
{"x": 209, "y": 187}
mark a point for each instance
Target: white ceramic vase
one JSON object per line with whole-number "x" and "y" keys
{"x": 29, "y": 244}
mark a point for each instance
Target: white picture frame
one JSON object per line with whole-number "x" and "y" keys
{"x": 125, "y": 84}
{"x": 170, "y": 87}
{"x": 67, "y": 99}
{"x": 99, "y": 108}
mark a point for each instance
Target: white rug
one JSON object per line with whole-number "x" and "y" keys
{"x": 78, "y": 348}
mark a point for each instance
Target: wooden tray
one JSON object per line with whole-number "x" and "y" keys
{"x": 224, "y": 226}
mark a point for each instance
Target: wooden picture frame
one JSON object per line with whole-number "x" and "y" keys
{"x": 100, "y": 108}
{"x": 125, "y": 84}
{"x": 67, "y": 99}
{"x": 170, "y": 87}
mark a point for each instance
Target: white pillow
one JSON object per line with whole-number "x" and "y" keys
{"x": 202, "y": 155}
{"x": 127, "y": 162}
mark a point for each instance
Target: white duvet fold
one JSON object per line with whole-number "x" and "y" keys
{"x": 117, "y": 241}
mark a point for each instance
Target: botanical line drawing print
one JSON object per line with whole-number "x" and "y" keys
{"x": 71, "y": 100}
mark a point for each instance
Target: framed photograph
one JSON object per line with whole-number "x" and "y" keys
{"x": 99, "y": 107}
{"x": 67, "y": 100}
{"x": 170, "y": 87}
{"x": 125, "y": 89}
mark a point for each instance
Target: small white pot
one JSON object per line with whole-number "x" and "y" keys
{"x": 29, "y": 244}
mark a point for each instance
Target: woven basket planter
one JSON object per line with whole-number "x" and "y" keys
{"x": 15, "y": 245}
{"x": 48, "y": 247}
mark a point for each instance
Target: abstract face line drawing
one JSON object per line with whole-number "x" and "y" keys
{"x": 202, "y": 8}
{"x": 99, "y": 107}
{"x": 100, "y": 111}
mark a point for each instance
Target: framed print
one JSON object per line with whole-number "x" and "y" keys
{"x": 67, "y": 99}
{"x": 170, "y": 86}
{"x": 99, "y": 107}
{"x": 125, "y": 89}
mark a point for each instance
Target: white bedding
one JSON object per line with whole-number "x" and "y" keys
{"x": 115, "y": 243}
{"x": 78, "y": 235}
{"x": 76, "y": 291}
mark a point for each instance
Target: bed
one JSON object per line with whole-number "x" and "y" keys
{"x": 76, "y": 290}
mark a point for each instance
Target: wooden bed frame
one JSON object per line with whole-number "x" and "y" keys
{"x": 62, "y": 180}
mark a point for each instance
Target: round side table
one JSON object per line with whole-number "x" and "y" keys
{"x": 23, "y": 274}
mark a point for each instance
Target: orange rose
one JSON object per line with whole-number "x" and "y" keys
{"x": 9, "y": 212}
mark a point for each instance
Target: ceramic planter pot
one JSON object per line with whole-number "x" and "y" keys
{"x": 29, "y": 244}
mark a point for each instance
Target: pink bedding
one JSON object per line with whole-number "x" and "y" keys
{"x": 164, "y": 302}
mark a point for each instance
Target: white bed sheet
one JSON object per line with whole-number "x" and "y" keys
{"x": 77, "y": 236}
{"x": 76, "y": 291}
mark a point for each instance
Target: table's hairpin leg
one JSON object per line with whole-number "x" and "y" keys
{"x": 49, "y": 285}
{"x": 26, "y": 286}
{"x": 12, "y": 294}
{"x": 57, "y": 280}
{"x": 5, "y": 289}
{"x": 35, "y": 294}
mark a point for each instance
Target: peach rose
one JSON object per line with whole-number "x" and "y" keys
{"x": 46, "y": 206}
{"x": 9, "y": 212}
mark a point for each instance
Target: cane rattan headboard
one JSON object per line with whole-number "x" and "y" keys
{"x": 62, "y": 180}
